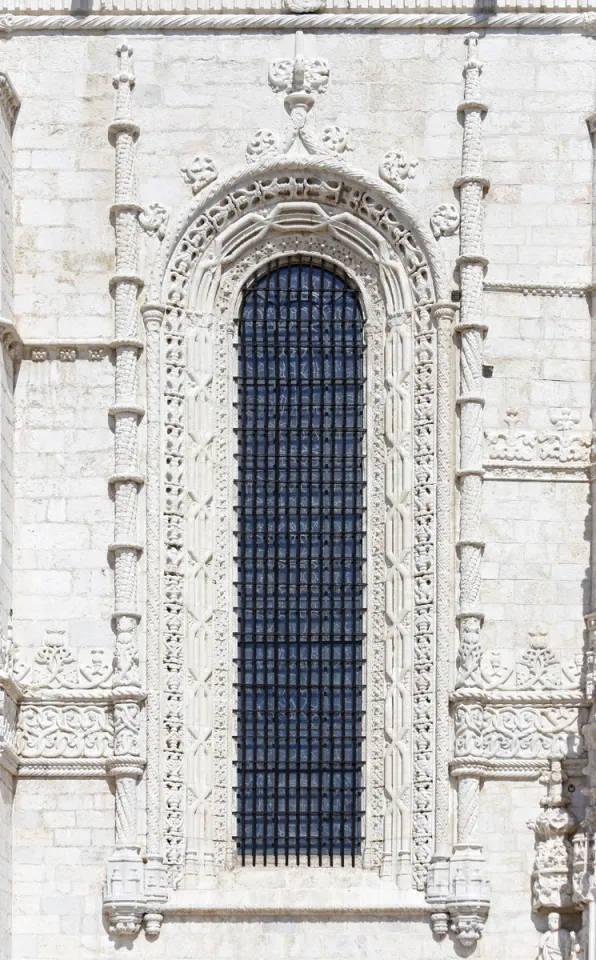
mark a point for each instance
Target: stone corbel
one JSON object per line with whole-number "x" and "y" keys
{"x": 458, "y": 890}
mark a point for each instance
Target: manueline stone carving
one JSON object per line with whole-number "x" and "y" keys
{"x": 563, "y": 445}
{"x": 532, "y": 668}
{"x": 396, "y": 167}
{"x": 54, "y": 666}
{"x": 444, "y": 221}
{"x": 64, "y": 732}
{"x": 154, "y": 219}
{"x": 335, "y": 139}
{"x": 263, "y": 142}
{"x": 280, "y": 189}
{"x": 199, "y": 173}
{"x": 551, "y": 877}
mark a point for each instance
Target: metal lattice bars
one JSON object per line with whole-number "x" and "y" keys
{"x": 300, "y": 567}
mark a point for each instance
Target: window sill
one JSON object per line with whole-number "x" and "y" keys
{"x": 296, "y": 891}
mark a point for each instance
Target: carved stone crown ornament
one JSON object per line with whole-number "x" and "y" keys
{"x": 301, "y": 80}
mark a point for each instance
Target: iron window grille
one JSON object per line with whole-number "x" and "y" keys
{"x": 300, "y": 615}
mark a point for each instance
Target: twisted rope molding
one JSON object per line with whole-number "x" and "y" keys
{"x": 100, "y": 23}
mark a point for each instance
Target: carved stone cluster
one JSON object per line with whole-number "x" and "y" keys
{"x": 301, "y": 80}
{"x": 563, "y": 445}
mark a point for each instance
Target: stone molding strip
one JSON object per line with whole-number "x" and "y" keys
{"x": 359, "y": 901}
{"x": 538, "y": 289}
{"x": 137, "y": 23}
{"x": 543, "y": 472}
{"x": 83, "y": 768}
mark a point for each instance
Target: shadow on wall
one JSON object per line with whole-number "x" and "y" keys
{"x": 81, "y": 7}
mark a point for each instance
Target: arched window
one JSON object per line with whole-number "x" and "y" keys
{"x": 301, "y": 502}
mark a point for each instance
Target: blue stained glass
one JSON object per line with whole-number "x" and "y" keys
{"x": 300, "y": 567}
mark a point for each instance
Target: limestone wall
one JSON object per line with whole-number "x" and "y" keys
{"x": 208, "y": 93}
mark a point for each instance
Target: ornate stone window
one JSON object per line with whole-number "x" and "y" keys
{"x": 207, "y": 265}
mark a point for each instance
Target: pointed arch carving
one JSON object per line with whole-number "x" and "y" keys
{"x": 322, "y": 208}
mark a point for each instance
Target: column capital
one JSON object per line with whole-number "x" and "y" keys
{"x": 153, "y": 313}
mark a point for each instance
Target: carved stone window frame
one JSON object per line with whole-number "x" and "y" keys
{"x": 304, "y": 205}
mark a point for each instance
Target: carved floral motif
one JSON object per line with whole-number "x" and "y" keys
{"x": 154, "y": 219}
{"x": 396, "y": 167}
{"x": 444, "y": 221}
{"x": 533, "y": 668}
{"x": 263, "y": 142}
{"x": 200, "y": 172}
{"x": 54, "y": 666}
{"x": 564, "y": 444}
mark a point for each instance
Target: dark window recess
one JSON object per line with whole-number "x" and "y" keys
{"x": 300, "y": 568}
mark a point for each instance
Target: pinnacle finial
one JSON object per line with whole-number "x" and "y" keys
{"x": 124, "y": 73}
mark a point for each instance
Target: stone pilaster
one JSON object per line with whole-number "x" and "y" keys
{"x": 155, "y": 874}
{"x": 124, "y": 899}
{"x": 460, "y": 888}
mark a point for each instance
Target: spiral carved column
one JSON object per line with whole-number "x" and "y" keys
{"x": 124, "y": 900}
{"x": 469, "y": 895}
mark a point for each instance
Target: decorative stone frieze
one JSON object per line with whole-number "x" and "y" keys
{"x": 202, "y": 18}
{"x": 309, "y": 185}
{"x": 53, "y": 668}
{"x": 517, "y": 451}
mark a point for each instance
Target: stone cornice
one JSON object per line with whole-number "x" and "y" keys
{"x": 155, "y": 22}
